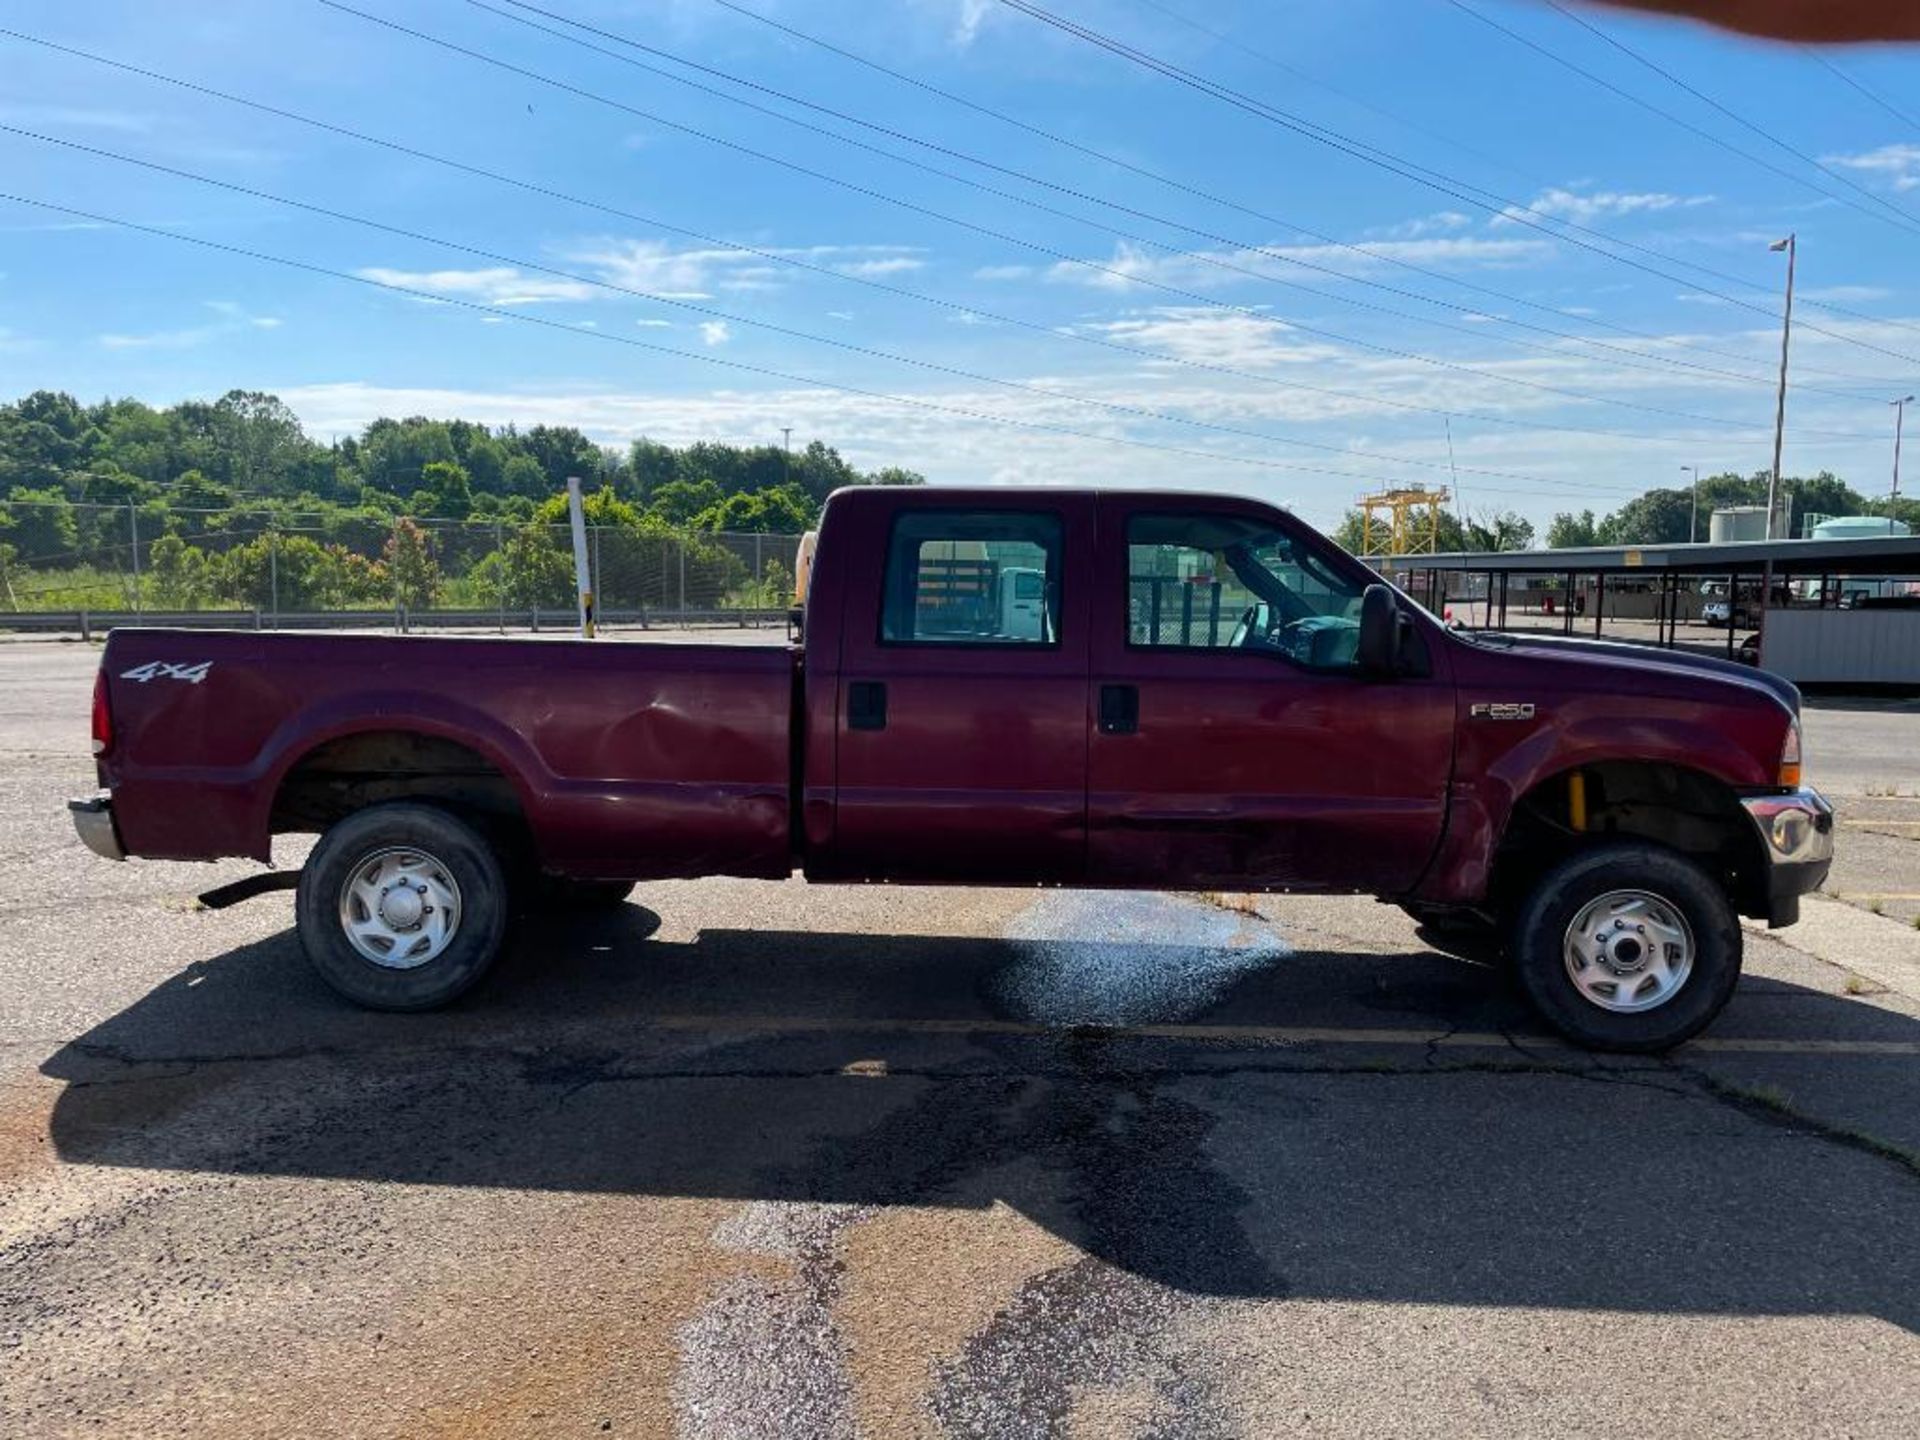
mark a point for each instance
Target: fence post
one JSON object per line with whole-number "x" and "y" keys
{"x": 680, "y": 546}
{"x": 133, "y": 532}
{"x": 599, "y": 575}
{"x": 273, "y": 575}
{"x": 500, "y": 550}
{"x": 86, "y": 628}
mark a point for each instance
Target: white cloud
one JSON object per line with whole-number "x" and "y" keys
{"x": 1845, "y": 294}
{"x": 1584, "y": 207}
{"x": 1900, "y": 164}
{"x": 121, "y": 121}
{"x": 654, "y": 324}
{"x": 1213, "y": 337}
{"x": 1444, "y": 222}
{"x": 1003, "y": 272}
{"x": 233, "y": 320}
{"x": 1131, "y": 265}
{"x": 715, "y": 332}
{"x": 494, "y": 285}
{"x": 892, "y": 265}
{"x": 839, "y": 314}
{"x": 966, "y": 25}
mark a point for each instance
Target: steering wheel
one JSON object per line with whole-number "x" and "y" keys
{"x": 1242, "y": 635}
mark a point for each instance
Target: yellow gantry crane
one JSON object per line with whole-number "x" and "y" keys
{"x": 1408, "y": 531}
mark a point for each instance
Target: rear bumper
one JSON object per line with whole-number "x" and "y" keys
{"x": 93, "y": 819}
{"x": 1796, "y": 835}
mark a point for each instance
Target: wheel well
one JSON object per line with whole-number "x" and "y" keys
{"x": 341, "y": 776}
{"x": 1685, "y": 810}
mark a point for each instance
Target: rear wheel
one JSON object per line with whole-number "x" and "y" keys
{"x": 1627, "y": 947}
{"x": 402, "y": 907}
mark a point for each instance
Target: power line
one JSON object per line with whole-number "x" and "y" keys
{"x": 1907, "y": 217}
{"x": 1046, "y": 392}
{"x": 1462, "y": 190}
{"x": 1192, "y": 296}
{"x": 867, "y": 282}
{"x": 1860, "y": 85}
{"x": 1171, "y": 182}
{"x": 742, "y": 366}
{"x": 1234, "y": 243}
{"x": 1904, "y": 222}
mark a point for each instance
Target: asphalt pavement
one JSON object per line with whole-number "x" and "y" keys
{"x": 745, "y": 1159}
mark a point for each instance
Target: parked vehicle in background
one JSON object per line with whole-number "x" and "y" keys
{"x": 1717, "y": 612}
{"x": 1006, "y": 687}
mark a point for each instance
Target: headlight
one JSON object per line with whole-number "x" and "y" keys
{"x": 1790, "y": 757}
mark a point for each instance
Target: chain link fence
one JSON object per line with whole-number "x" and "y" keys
{"x": 84, "y": 566}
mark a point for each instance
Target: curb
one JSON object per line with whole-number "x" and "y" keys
{"x": 1881, "y": 950}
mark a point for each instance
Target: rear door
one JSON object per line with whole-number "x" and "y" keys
{"x": 1235, "y": 743}
{"x": 961, "y": 731}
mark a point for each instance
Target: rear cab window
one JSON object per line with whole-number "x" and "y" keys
{"x": 973, "y": 578}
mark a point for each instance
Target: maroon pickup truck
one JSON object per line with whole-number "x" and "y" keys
{"x": 999, "y": 687}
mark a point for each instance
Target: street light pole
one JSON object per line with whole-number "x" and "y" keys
{"x": 1791, "y": 246}
{"x": 1693, "y": 513}
{"x": 786, "y": 449}
{"x": 1899, "y": 420}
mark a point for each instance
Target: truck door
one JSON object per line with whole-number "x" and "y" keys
{"x": 961, "y": 729}
{"x": 1234, "y": 742}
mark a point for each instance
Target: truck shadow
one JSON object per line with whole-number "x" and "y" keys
{"x": 881, "y": 1070}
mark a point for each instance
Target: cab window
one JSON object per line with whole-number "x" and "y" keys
{"x": 976, "y": 577}
{"x": 1224, "y": 582}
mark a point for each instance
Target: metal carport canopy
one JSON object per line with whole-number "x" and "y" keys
{"x": 1875, "y": 555}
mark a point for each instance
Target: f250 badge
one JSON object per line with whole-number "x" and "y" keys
{"x": 192, "y": 673}
{"x": 1501, "y": 710}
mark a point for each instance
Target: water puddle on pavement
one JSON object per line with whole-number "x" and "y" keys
{"x": 1128, "y": 957}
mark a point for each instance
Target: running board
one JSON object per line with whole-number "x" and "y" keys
{"x": 222, "y": 896}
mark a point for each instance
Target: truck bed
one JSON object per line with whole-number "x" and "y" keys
{"x": 623, "y": 760}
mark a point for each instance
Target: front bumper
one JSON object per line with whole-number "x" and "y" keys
{"x": 93, "y": 818}
{"x": 1796, "y": 835}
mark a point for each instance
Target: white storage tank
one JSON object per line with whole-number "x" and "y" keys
{"x": 1736, "y": 523}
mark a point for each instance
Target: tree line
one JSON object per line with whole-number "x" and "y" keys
{"x": 232, "y": 501}
{"x": 1661, "y": 516}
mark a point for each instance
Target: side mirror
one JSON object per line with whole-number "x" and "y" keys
{"x": 1379, "y": 648}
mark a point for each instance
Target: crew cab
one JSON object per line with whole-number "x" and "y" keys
{"x": 999, "y": 687}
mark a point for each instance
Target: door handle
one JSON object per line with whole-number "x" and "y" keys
{"x": 1119, "y": 709}
{"x": 866, "y": 705}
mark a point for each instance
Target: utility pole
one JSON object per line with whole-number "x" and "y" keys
{"x": 1693, "y": 514}
{"x": 1899, "y": 421}
{"x": 1791, "y": 246}
{"x": 786, "y": 448}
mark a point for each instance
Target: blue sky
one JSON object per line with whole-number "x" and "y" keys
{"x": 1261, "y": 325}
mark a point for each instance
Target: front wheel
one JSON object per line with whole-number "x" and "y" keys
{"x": 402, "y": 907}
{"x": 1627, "y": 947}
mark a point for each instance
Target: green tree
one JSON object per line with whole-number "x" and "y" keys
{"x": 445, "y": 491}
{"x": 44, "y": 528}
{"x": 412, "y": 566}
{"x": 1500, "y": 530}
{"x": 179, "y": 574}
{"x": 524, "y": 477}
{"x": 678, "y": 501}
{"x": 529, "y": 570}
{"x": 1569, "y": 531}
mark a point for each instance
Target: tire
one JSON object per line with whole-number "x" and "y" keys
{"x": 1627, "y": 947}
{"x": 552, "y": 892}
{"x": 448, "y": 897}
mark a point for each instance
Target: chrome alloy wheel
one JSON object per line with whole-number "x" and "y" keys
{"x": 400, "y": 908}
{"x": 1629, "y": 951}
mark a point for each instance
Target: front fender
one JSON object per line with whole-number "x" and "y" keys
{"x": 1498, "y": 770}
